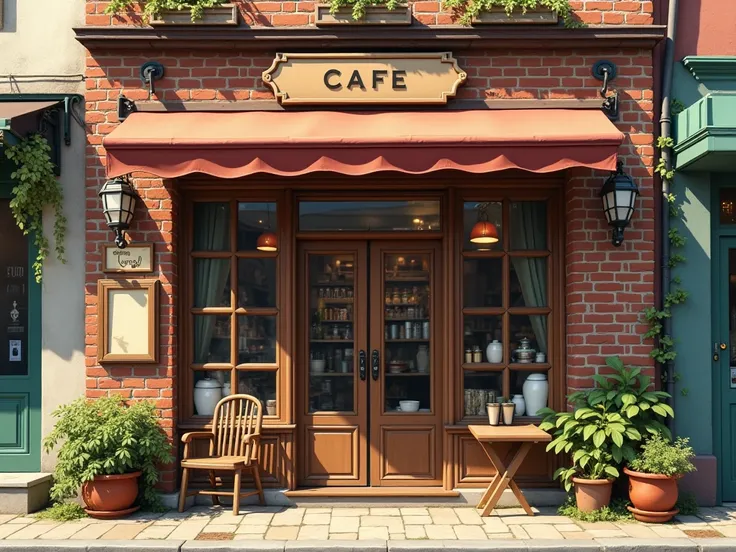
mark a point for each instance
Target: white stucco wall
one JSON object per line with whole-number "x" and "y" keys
{"x": 38, "y": 54}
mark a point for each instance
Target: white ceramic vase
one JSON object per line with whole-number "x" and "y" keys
{"x": 536, "y": 392}
{"x": 207, "y": 393}
{"x": 520, "y": 403}
{"x": 423, "y": 359}
{"x": 494, "y": 352}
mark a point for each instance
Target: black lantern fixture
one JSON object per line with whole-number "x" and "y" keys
{"x": 118, "y": 205}
{"x": 619, "y": 198}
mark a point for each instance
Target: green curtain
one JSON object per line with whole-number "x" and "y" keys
{"x": 529, "y": 232}
{"x": 211, "y": 233}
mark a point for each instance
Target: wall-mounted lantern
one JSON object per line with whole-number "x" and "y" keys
{"x": 619, "y": 200}
{"x": 118, "y": 205}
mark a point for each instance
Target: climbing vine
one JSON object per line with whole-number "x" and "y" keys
{"x": 664, "y": 350}
{"x": 37, "y": 187}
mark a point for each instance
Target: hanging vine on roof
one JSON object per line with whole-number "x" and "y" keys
{"x": 37, "y": 187}
{"x": 471, "y": 9}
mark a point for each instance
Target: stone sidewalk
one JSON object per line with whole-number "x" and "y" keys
{"x": 367, "y": 528}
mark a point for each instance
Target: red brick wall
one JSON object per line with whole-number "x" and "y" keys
{"x": 279, "y": 13}
{"x": 606, "y": 287}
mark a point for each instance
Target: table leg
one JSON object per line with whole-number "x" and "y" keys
{"x": 506, "y": 478}
{"x": 497, "y": 463}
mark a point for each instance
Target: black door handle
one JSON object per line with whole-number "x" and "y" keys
{"x": 361, "y": 364}
{"x": 374, "y": 364}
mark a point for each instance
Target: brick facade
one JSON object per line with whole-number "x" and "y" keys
{"x": 606, "y": 287}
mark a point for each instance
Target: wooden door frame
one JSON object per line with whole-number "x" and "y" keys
{"x": 304, "y": 420}
{"x": 437, "y": 360}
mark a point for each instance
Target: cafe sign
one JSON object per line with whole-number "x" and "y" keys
{"x": 398, "y": 78}
{"x": 134, "y": 258}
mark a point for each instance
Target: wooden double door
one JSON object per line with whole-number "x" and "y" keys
{"x": 368, "y": 364}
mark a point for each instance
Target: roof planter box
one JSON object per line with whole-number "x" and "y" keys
{"x": 374, "y": 15}
{"x": 532, "y": 16}
{"x": 222, "y": 15}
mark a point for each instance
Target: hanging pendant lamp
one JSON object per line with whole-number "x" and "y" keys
{"x": 268, "y": 240}
{"x": 484, "y": 231}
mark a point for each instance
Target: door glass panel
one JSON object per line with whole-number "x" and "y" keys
{"x": 211, "y": 338}
{"x": 256, "y": 339}
{"x": 212, "y": 221}
{"x": 211, "y": 282}
{"x": 13, "y": 295}
{"x": 532, "y": 327}
{"x": 407, "y": 352}
{"x": 483, "y": 282}
{"x": 331, "y": 347}
{"x": 528, "y": 221}
{"x": 370, "y": 216}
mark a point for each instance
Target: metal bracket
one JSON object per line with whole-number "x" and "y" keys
{"x": 606, "y": 71}
{"x": 69, "y": 103}
{"x": 125, "y": 107}
{"x": 151, "y": 71}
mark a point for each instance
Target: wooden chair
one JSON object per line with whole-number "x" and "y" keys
{"x": 236, "y": 430}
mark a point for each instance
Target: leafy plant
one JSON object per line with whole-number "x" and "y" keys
{"x": 471, "y": 9}
{"x": 687, "y": 504}
{"x": 105, "y": 437}
{"x": 616, "y": 511}
{"x": 153, "y": 7}
{"x": 37, "y": 187}
{"x": 660, "y": 456}
{"x": 359, "y": 6}
{"x": 595, "y": 434}
{"x": 62, "y": 511}
{"x": 629, "y": 392}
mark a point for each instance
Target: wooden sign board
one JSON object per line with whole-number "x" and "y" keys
{"x": 134, "y": 258}
{"x": 395, "y": 78}
{"x": 128, "y": 312}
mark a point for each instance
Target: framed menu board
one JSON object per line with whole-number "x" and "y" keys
{"x": 13, "y": 295}
{"x": 129, "y": 321}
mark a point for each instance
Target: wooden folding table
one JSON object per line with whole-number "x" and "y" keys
{"x": 524, "y": 437}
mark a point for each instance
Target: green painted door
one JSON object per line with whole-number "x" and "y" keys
{"x": 20, "y": 348}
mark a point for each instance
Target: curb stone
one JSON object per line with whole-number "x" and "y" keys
{"x": 650, "y": 545}
{"x": 715, "y": 545}
{"x": 43, "y": 546}
{"x": 225, "y": 546}
{"x": 135, "y": 545}
{"x": 336, "y": 546}
{"x": 485, "y": 546}
{"x": 544, "y": 545}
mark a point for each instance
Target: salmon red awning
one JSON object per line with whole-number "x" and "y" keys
{"x": 231, "y": 145}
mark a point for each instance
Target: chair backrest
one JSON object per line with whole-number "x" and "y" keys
{"x": 236, "y": 418}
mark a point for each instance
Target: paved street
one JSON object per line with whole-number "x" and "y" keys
{"x": 381, "y": 527}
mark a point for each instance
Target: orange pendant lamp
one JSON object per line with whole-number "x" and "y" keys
{"x": 484, "y": 232}
{"x": 268, "y": 241}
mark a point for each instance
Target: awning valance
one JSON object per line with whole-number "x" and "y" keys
{"x": 231, "y": 145}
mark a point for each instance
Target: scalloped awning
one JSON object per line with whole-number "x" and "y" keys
{"x": 232, "y": 145}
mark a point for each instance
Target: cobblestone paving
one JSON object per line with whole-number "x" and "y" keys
{"x": 367, "y": 523}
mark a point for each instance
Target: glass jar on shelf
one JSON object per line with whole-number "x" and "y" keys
{"x": 388, "y": 300}
{"x": 404, "y": 296}
{"x": 468, "y": 356}
{"x": 396, "y": 296}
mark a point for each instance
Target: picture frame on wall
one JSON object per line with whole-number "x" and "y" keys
{"x": 128, "y": 311}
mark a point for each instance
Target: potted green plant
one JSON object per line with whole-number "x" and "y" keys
{"x": 181, "y": 12}
{"x": 653, "y": 476}
{"x": 106, "y": 445}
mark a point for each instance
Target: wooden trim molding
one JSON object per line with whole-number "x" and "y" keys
{"x": 450, "y": 37}
{"x": 274, "y": 105}
{"x": 119, "y": 339}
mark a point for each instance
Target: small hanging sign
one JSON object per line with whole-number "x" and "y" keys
{"x": 134, "y": 258}
{"x": 733, "y": 377}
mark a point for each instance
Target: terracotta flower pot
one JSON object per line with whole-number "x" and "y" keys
{"x": 109, "y": 496}
{"x": 592, "y": 494}
{"x": 653, "y": 496}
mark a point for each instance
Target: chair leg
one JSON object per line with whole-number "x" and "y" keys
{"x": 257, "y": 480}
{"x": 213, "y": 483}
{"x": 183, "y": 489}
{"x": 236, "y": 493}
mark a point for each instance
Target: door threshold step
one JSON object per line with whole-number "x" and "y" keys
{"x": 368, "y": 492}
{"x": 23, "y": 493}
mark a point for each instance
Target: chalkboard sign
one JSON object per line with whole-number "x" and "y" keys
{"x": 13, "y": 295}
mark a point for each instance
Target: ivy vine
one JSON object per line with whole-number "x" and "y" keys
{"x": 152, "y": 8}
{"x": 664, "y": 350}
{"x": 471, "y": 9}
{"x": 37, "y": 187}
